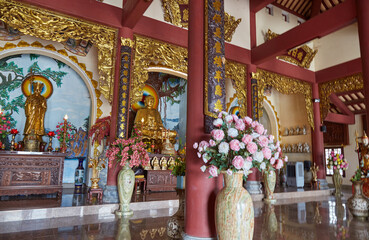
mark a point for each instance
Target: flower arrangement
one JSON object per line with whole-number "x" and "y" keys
{"x": 131, "y": 151}
{"x": 100, "y": 130}
{"x": 14, "y": 131}
{"x": 238, "y": 144}
{"x": 359, "y": 174}
{"x": 51, "y": 134}
{"x": 4, "y": 125}
{"x": 61, "y": 128}
{"x": 336, "y": 161}
{"x": 179, "y": 168}
{"x": 97, "y": 165}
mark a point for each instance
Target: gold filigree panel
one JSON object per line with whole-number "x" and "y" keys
{"x": 285, "y": 85}
{"x": 54, "y": 26}
{"x": 50, "y": 47}
{"x": 350, "y": 83}
{"x": 172, "y": 14}
{"x": 237, "y": 73}
{"x": 150, "y": 52}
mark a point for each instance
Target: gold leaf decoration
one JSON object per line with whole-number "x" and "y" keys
{"x": 54, "y": 26}
{"x": 127, "y": 42}
{"x": 149, "y": 52}
{"x": 237, "y": 73}
{"x": 285, "y": 85}
{"x": 230, "y": 25}
{"x": 349, "y": 83}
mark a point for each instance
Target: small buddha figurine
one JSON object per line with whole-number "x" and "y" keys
{"x": 167, "y": 147}
{"x": 35, "y": 109}
{"x": 164, "y": 163}
{"x": 148, "y": 122}
{"x": 155, "y": 163}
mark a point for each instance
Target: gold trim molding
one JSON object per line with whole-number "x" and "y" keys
{"x": 349, "y": 83}
{"x": 150, "y": 52}
{"x": 276, "y": 116}
{"x": 285, "y": 85}
{"x": 237, "y": 73}
{"x": 127, "y": 42}
{"x": 50, "y": 47}
{"x": 48, "y": 25}
{"x": 172, "y": 14}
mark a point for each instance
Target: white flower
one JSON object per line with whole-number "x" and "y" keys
{"x": 199, "y": 154}
{"x": 218, "y": 122}
{"x": 205, "y": 158}
{"x": 229, "y": 118}
{"x": 195, "y": 145}
{"x": 255, "y": 135}
{"x": 229, "y": 172}
{"x": 223, "y": 148}
{"x": 232, "y": 132}
{"x": 258, "y": 156}
{"x": 242, "y": 145}
{"x": 203, "y": 168}
{"x": 286, "y": 159}
{"x": 247, "y": 165}
{"x": 200, "y": 149}
{"x": 276, "y": 155}
{"x": 262, "y": 166}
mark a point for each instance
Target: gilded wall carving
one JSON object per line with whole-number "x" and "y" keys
{"x": 237, "y": 73}
{"x": 353, "y": 82}
{"x": 150, "y": 52}
{"x": 285, "y": 85}
{"x": 54, "y": 26}
{"x": 64, "y": 53}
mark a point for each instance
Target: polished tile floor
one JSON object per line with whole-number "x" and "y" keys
{"x": 318, "y": 218}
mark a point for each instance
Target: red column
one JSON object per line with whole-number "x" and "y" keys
{"x": 317, "y": 135}
{"x": 362, "y": 8}
{"x": 200, "y": 191}
{"x": 125, "y": 33}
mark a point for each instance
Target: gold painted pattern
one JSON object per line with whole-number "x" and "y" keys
{"x": 127, "y": 42}
{"x": 353, "y": 82}
{"x": 237, "y": 72}
{"x": 54, "y": 26}
{"x": 276, "y": 116}
{"x": 285, "y": 85}
{"x": 64, "y": 53}
{"x": 150, "y": 52}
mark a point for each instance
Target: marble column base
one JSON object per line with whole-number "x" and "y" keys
{"x": 110, "y": 194}
{"x": 185, "y": 236}
{"x": 323, "y": 184}
{"x": 253, "y": 187}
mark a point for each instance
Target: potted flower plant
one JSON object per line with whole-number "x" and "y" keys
{"x": 100, "y": 130}
{"x": 237, "y": 145}
{"x": 127, "y": 153}
{"x": 337, "y": 163}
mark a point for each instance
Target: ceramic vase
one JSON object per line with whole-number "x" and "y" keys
{"x": 234, "y": 212}
{"x": 337, "y": 182}
{"x": 126, "y": 182}
{"x": 269, "y": 186}
{"x": 79, "y": 176}
{"x": 357, "y": 203}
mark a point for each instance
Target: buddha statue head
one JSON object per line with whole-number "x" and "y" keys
{"x": 37, "y": 87}
{"x": 149, "y": 102}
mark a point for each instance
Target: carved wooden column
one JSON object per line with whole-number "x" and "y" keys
{"x": 120, "y": 108}
{"x": 200, "y": 191}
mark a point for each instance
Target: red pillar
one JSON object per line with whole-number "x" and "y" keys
{"x": 317, "y": 135}
{"x": 362, "y": 8}
{"x": 124, "y": 33}
{"x": 200, "y": 191}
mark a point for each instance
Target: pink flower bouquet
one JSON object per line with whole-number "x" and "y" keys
{"x": 131, "y": 150}
{"x": 336, "y": 161}
{"x": 239, "y": 144}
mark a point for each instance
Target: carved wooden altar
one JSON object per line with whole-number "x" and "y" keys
{"x": 160, "y": 180}
{"x": 24, "y": 173}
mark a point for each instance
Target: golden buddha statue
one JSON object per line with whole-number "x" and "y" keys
{"x": 35, "y": 109}
{"x": 148, "y": 121}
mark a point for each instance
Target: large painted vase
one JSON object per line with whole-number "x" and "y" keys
{"x": 358, "y": 204}
{"x": 234, "y": 212}
{"x": 269, "y": 185}
{"x": 126, "y": 181}
{"x": 337, "y": 182}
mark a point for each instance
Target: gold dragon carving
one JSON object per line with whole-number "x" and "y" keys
{"x": 237, "y": 73}
{"x": 349, "y": 83}
{"x": 54, "y": 26}
{"x": 285, "y": 85}
{"x": 172, "y": 14}
{"x": 150, "y": 52}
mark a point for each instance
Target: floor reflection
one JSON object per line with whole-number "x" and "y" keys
{"x": 323, "y": 220}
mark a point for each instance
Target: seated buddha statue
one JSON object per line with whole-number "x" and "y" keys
{"x": 148, "y": 122}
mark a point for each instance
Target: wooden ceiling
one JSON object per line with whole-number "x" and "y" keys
{"x": 354, "y": 101}
{"x": 303, "y": 8}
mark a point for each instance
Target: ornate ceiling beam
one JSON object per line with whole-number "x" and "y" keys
{"x": 340, "y": 105}
{"x": 257, "y": 5}
{"x": 340, "y": 118}
{"x": 315, "y": 8}
{"x": 319, "y": 26}
{"x": 339, "y": 71}
{"x": 133, "y": 10}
